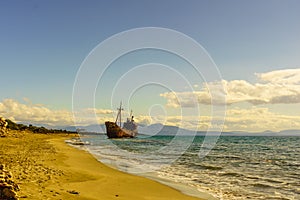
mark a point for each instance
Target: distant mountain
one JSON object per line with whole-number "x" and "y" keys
{"x": 94, "y": 128}
{"x": 264, "y": 133}
{"x": 291, "y": 132}
{"x": 160, "y": 129}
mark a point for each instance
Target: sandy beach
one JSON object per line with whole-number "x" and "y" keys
{"x": 45, "y": 167}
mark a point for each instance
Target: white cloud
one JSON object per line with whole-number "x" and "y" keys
{"x": 184, "y": 99}
{"x": 99, "y": 111}
{"x": 287, "y": 76}
{"x": 145, "y": 120}
{"x": 251, "y": 119}
{"x": 33, "y": 113}
{"x": 259, "y": 119}
{"x": 40, "y": 114}
{"x": 282, "y": 86}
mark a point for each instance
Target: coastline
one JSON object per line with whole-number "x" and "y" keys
{"x": 108, "y": 183}
{"x": 45, "y": 167}
{"x": 183, "y": 188}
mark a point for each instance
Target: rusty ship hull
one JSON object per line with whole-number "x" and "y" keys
{"x": 115, "y": 131}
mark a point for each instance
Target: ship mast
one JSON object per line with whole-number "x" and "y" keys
{"x": 119, "y": 113}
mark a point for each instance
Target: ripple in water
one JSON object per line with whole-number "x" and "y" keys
{"x": 243, "y": 167}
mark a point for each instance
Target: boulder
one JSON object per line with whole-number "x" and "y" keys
{"x": 8, "y": 188}
{"x": 3, "y": 125}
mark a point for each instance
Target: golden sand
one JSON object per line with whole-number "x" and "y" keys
{"x": 46, "y": 168}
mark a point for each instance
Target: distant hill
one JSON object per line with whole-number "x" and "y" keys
{"x": 93, "y": 128}
{"x": 292, "y": 132}
{"x": 160, "y": 129}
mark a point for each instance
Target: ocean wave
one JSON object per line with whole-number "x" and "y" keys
{"x": 234, "y": 174}
{"x": 262, "y": 185}
{"x": 202, "y": 166}
{"x": 239, "y": 168}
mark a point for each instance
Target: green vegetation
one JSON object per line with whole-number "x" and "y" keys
{"x": 35, "y": 129}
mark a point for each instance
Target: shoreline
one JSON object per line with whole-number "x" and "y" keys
{"x": 45, "y": 167}
{"x": 156, "y": 189}
{"x": 183, "y": 188}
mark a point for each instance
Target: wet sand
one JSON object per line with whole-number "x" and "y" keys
{"x": 45, "y": 167}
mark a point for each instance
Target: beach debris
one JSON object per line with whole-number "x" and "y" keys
{"x": 73, "y": 192}
{"x": 3, "y": 125}
{"x": 77, "y": 141}
{"x": 8, "y": 188}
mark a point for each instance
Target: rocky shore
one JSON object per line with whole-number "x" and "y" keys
{"x": 32, "y": 161}
{"x": 28, "y": 164}
{"x": 3, "y": 125}
{"x": 8, "y": 188}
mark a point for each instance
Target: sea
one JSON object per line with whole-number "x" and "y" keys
{"x": 235, "y": 167}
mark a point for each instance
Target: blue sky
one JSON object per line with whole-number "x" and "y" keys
{"x": 43, "y": 43}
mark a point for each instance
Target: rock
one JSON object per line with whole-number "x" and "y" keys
{"x": 9, "y": 194}
{"x": 3, "y": 125}
{"x": 8, "y": 188}
{"x": 2, "y": 166}
{"x": 73, "y": 192}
